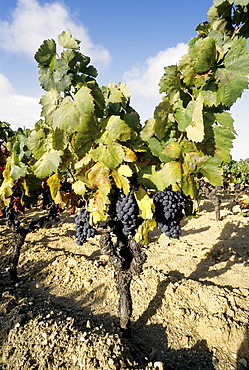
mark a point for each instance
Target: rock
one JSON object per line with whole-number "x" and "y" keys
{"x": 158, "y": 365}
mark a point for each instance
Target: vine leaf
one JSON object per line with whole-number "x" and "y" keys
{"x": 79, "y": 187}
{"x": 6, "y": 186}
{"x": 50, "y": 101}
{"x": 54, "y": 184}
{"x": 169, "y": 174}
{"x": 142, "y": 234}
{"x": 183, "y": 115}
{"x": 47, "y": 164}
{"x": 145, "y": 203}
{"x": 98, "y": 177}
{"x": 38, "y": 143}
{"x": 121, "y": 181}
{"x": 97, "y": 207}
{"x": 211, "y": 170}
{"x": 111, "y": 154}
{"x": 18, "y": 169}
{"x": 66, "y": 40}
{"x": 115, "y": 129}
{"x": 195, "y": 131}
{"x": 173, "y": 150}
{"x": 46, "y": 52}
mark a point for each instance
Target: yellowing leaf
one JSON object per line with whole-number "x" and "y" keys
{"x": 98, "y": 177}
{"x": 97, "y": 207}
{"x": 79, "y": 187}
{"x": 195, "y": 131}
{"x": 145, "y": 203}
{"x": 54, "y": 184}
{"x": 130, "y": 156}
{"x": 124, "y": 170}
{"x": 173, "y": 150}
{"x": 142, "y": 234}
{"x": 121, "y": 181}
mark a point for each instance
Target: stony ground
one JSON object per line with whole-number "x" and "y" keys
{"x": 190, "y": 304}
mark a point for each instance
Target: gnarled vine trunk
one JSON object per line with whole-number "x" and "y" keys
{"x": 127, "y": 259}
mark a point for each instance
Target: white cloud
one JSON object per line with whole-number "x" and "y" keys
{"x": 240, "y": 114}
{"x": 31, "y": 23}
{"x": 143, "y": 79}
{"x": 18, "y": 110}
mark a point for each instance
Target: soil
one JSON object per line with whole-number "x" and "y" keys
{"x": 190, "y": 303}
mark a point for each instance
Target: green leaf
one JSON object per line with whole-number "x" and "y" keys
{"x": 18, "y": 169}
{"x": 38, "y": 143}
{"x": 46, "y": 78}
{"x": 66, "y": 117}
{"x": 62, "y": 78}
{"x": 148, "y": 129}
{"x": 46, "y": 52}
{"x": 233, "y": 75}
{"x": 115, "y": 129}
{"x": 224, "y": 135}
{"x": 211, "y": 170}
{"x": 59, "y": 141}
{"x": 170, "y": 83}
{"x": 195, "y": 131}
{"x": 50, "y": 102}
{"x": 91, "y": 71}
{"x": 205, "y": 50}
{"x": 173, "y": 150}
{"x": 183, "y": 115}
{"x": 111, "y": 154}
{"x": 47, "y": 164}
{"x": 79, "y": 187}
{"x": 87, "y": 132}
{"x": 155, "y": 146}
{"x": 66, "y": 40}
{"x": 161, "y": 114}
{"x": 169, "y": 174}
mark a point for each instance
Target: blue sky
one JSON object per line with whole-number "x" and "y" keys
{"x": 128, "y": 41}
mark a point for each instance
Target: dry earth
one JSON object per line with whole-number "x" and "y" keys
{"x": 190, "y": 304}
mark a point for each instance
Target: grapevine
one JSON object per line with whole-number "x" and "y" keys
{"x": 89, "y": 145}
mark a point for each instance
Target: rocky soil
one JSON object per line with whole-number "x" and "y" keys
{"x": 190, "y": 304}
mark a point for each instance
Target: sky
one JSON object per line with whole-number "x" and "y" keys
{"x": 128, "y": 41}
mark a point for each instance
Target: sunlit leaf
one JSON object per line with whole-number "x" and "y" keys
{"x": 79, "y": 187}
{"x": 66, "y": 40}
{"x": 98, "y": 177}
{"x": 145, "y": 203}
{"x": 47, "y": 164}
{"x": 195, "y": 131}
{"x": 54, "y": 184}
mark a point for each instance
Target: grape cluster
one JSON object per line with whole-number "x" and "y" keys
{"x": 127, "y": 212}
{"x": 83, "y": 228}
{"x": 169, "y": 207}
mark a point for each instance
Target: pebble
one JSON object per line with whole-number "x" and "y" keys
{"x": 158, "y": 365}
{"x": 243, "y": 362}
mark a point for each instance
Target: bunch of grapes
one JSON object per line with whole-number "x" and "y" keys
{"x": 169, "y": 207}
{"x": 127, "y": 212}
{"x": 83, "y": 228}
